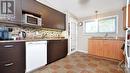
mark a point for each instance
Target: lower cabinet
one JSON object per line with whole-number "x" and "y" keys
{"x": 12, "y": 67}
{"x": 106, "y": 48}
{"x": 56, "y": 49}
{"x": 12, "y": 57}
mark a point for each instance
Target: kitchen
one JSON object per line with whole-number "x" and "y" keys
{"x": 41, "y": 36}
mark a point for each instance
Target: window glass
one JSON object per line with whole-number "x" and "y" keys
{"x": 104, "y": 25}
{"x": 91, "y": 27}
{"x": 107, "y": 25}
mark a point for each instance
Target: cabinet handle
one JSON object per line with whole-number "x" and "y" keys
{"x": 8, "y": 46}
{"x": 9, "y": 64}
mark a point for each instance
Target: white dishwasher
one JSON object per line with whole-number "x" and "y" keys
{"x": 36, "y": 55}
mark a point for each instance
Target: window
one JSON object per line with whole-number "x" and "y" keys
{"x": 107, "y": 25}
{"x": 91, "y": 27}
{"x": 102, "y": 25}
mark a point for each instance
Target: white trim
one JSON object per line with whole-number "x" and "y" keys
{"x": 127, "y": 13}
{"x": 78, "y": 51}
{"x": 105, "y": 17}
{"x": 127, "y": 70}
{"x": 82, "y": 51}
{"x": 72, "y": 20}
{"x": 127, "y": 63}
{"x": 72, "y": 52}
{"x": 76, "y": 34}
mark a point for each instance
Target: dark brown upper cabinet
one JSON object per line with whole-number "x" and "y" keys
{"x": 18, "y": 11}
{"x": 50, "y": 18}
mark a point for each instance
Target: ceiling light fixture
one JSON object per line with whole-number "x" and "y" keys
{"x": 96, "y": 12}
{"x": 83, "y": 2}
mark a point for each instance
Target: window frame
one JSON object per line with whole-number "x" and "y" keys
{"x": 84, "y": 26}
{"x": 108, "y": 17}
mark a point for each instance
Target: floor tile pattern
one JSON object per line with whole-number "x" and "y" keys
{"x": 81, "y": 63}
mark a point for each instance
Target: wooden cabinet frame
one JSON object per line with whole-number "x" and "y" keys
{"x": 106, "y": 48}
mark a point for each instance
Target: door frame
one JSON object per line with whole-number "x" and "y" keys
{"x": 70, "y": 20}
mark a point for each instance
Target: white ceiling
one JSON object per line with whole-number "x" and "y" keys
{"x": 75, "y": 8}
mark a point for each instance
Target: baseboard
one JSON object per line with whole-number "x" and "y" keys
{"x": 78, "y": 51}
{"x": 127, "y": 70}
{"x": 72, "y": 52}
{"x": 82, "y": 51}
{"x": 41, "y": 67}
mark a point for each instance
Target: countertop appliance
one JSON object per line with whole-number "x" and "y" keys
{"x": 5, "y": 33}
{"x": 36, "y": 55}
{"x": 22, "y": 34}
{"x": 31, "y": 19}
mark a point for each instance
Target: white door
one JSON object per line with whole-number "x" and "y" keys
{"x": 73, "y": 35}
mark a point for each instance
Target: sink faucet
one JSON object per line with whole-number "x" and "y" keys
{"x": 106, "y": 34}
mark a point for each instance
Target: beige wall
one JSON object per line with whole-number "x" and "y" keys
{"x": 83, "y": 38}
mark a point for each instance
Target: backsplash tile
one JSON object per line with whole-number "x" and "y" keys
{"x": 38, "y": 33}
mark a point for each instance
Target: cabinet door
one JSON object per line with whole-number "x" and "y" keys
{"x": 12, "y": 57}
{"x": 112, "y": 49}
{"x": 95, "y": 47}
{"x": 108, "y": 48}
{"x": 12, "y": 67}
{"x": 50, "y": 18}
{"x": 53, "y": 19}
{"x": 117, "y": 49}
{"x": 31, "y": 6}
{"x": 92, "y": 47}
{"x": 56, "y": 49}
{"x": 99, "y": 47}
{"x": 124, "y": 16}
{"x": 129, "y": 15}
{"x": 18, "y": 10}
{"x": 12, "y": 51}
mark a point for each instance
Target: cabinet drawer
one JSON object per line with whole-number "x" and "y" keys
{"x": 12, "y": 67}
{"x": 12, "y": 51}
{"x": 11, "y": 45}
